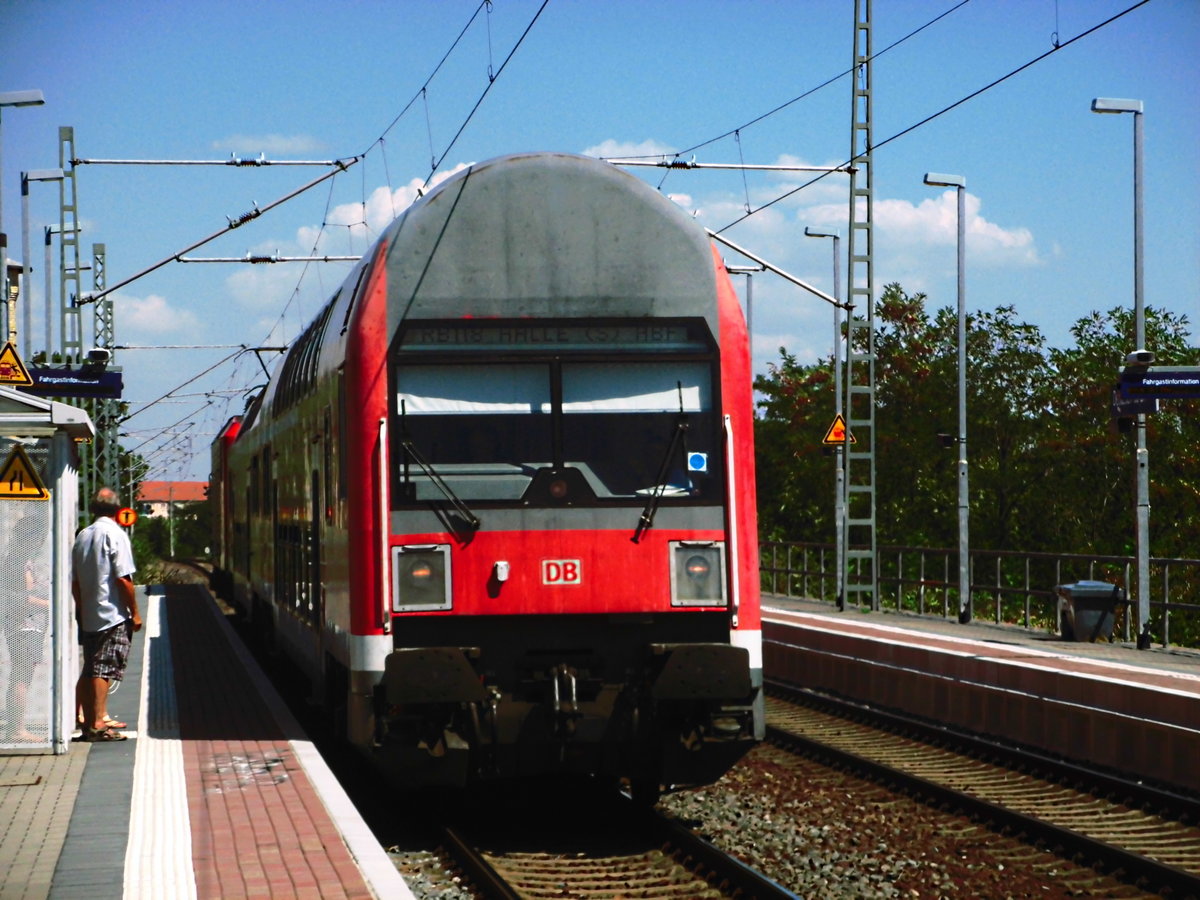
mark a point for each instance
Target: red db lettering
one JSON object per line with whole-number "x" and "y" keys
{"x": 561, "y": 571}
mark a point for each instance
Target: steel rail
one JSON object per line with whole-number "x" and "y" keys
{"x": 731, "y": 874}
{"x": 1130, "y": 865}
{"x": 477, "y": 869}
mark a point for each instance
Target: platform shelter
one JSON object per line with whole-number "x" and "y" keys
{"x": 39, "y": 490}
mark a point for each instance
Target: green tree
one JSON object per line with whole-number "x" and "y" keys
{"x": 1047, "y": 469}
{"x": 795, "y": 478}
{"x": 1007, "y": 369}
{"x": 1090, "y": 463}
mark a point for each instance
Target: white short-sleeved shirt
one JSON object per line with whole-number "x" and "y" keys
{"x": 101, "y": 556}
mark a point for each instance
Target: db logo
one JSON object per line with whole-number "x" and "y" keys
{"x": 562, "y": 571}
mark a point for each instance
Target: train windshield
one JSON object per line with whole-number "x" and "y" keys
{"x": 629, "y": 428}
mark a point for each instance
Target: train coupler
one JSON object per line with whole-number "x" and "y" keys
{"x": 564, "y": 699}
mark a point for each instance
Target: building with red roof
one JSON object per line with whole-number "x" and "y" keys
{"x": 156, "y": 498}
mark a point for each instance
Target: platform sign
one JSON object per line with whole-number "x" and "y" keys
{"x": 1161, "y": 383}
{"x": 81, "y": 382}
{"x": 837, "y": 433}
{"x": 126, "y": 516}
{"x": 12, "y": 370}
{"x": 1125, "y": 408}
{"x": 19, "y": 479}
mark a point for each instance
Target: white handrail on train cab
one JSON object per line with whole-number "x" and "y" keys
{"x": 385, "y": 610}
{"x": 731, "y": 480}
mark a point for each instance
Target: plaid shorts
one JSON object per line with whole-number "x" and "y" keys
{"x": 106, "y": 652}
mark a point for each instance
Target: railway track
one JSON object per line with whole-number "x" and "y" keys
{"x": 637, "y": 854}
{"x": 1143, "y": 834}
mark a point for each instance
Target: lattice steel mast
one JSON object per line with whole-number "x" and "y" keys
{"x": 861, "y": 576}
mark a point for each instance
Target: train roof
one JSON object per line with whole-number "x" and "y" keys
{"x": 547, "y": 234}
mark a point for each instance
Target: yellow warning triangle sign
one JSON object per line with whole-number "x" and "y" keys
{"x": 12, "y": 370}
{"x": 19, "y": 479}
{"x": 838, "y": 432}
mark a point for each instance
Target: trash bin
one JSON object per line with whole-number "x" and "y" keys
{"x": 1087, "y": 609}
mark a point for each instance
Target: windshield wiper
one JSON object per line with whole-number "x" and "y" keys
{"x": 660, "y": 483}
{"x": 412, "y": 453}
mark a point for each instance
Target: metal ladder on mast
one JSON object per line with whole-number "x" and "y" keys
{"x": 861, "y": 577}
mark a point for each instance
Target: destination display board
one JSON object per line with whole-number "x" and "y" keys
{"x": 71, "y": 382}
{"x": 658, "y": 335}
{"x": 1161, "y": 383}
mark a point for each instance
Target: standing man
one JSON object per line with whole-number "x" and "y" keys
{"x": 106, "y": 609}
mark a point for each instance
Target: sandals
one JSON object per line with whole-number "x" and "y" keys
{"x": 103, "y": 736}
{"x": 109, "y": 722}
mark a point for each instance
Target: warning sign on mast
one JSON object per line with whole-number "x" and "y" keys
{"x": 838, "y": 433}
{"x": 19, "y": 479}
{"x": 12, "y": 370}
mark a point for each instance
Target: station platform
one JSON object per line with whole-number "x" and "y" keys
{"x": 1136, "y": 712}
{"x": 217, "y": 792}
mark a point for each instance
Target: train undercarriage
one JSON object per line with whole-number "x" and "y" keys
{"x": 680, "y": 714}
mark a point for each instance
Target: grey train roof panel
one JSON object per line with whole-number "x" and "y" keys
{"x": 547, "y": 234}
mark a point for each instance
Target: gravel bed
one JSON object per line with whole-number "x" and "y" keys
{"x": 824, "y": 834}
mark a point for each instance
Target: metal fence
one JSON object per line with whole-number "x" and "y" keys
{"x": 1007, "y": 587}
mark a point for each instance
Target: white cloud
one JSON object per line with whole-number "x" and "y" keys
{"x": 687, "y": 203}
{"x": 269, "y": 144}
{"x": 611, "y": 149}
{"x": 152, "y": 318}
{"x": 935, "y": 221}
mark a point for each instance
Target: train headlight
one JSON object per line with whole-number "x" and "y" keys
{"x": 697, "y": 568}
{"x": 697, "y": 573}
{"x": 421, "y": 577}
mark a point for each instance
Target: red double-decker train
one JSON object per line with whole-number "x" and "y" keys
{"x": 497, "y": 500}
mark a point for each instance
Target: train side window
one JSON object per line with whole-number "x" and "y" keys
{"x": 265, "y": 501}
{"x": 343, "y": 412}
{"x": 327, "y": 464}
{"x": 362, "y": 270}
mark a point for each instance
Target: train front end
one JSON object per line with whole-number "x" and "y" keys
{"x": 563, "y": 486}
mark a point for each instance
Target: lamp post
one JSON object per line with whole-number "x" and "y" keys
{"x": 839, "y": 501}
{"x": 749, "y": 272}
{"x": 1142, "y": 534}
{"x": 959, "y": 183}
{"x": 49, "y": 231}
{"x": 15, "y": 99}
{"x": 26, "y": 178}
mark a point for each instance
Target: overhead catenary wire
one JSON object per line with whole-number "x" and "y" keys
{"x": 93, "y": 296}
{"x": 234, "y": 161}
{"x": 491, "y": 81}
{"x": 824, "y": 84}
{"x": 957, "y": 103}
{"x": 262, "y": 258}
{"x": 221, "y": 361}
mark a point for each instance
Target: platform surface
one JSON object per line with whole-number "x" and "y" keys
{"x": 217, "y": 793}
{"x": 1109, "y": 705}
{"x": 1154, "y": 665}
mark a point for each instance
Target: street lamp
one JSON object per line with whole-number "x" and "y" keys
{"x": 839, "y": 502}
{"x": 10, "y": 98}
{"x": 749, "y": 272}
{"x": 959, "y": 183}
{"x": 26, "y": 178}
{"x": 50, "y": 231}
{"x": 14, "y": 98}
{"x": 1109, "y": 105}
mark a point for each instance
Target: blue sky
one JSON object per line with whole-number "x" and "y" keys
{"x": 1049, "y": 184}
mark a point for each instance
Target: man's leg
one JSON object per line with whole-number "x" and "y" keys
{"x": 99, "y": 696}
